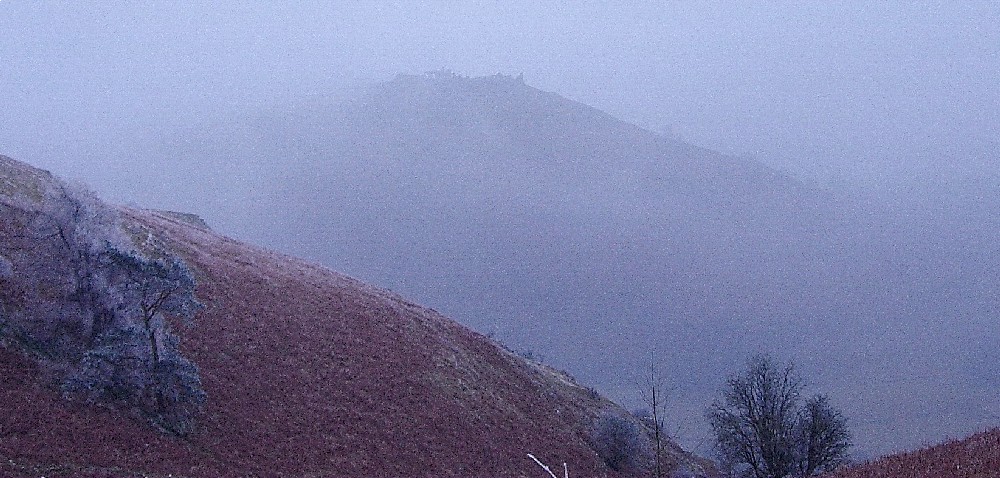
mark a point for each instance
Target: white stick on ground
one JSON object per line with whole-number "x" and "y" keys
{"x": 546, "y": 468}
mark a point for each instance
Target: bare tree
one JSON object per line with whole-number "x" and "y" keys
{"x": 654, "y": 395}
{"x": 822, "y": 436}
{"x": 763, "y": 431}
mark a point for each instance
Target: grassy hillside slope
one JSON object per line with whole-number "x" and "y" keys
{"x": 977, "y": 456}
{"x": 307, "y": 373}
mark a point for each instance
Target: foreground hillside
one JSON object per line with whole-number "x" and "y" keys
{"x": 305, "y": 373}
{"x": 975, "y": 457}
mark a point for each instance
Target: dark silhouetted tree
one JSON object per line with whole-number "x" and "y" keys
{"x": 822, "y": 436}
{"x": 763, "y": 430}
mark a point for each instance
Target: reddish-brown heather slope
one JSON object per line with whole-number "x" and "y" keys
{"x": 977, "y": 456}
{"x": 310, "y": 373}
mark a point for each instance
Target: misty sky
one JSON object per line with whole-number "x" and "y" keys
{"x": 863, "y": 89}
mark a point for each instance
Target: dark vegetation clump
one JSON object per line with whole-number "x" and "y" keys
{"x": 91, "y": 297}
{"x": 621, "y": 443}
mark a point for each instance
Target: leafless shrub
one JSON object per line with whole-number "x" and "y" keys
{"x": 621, "y": 443}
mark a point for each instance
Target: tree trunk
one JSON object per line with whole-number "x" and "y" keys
{"x": 154, "y": 345}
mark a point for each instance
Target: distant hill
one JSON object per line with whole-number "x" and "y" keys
{"x": 496, "y": 201}
{"x": 305, "y": 372}
{"x": 977, "y": 456}
{"x": 597, "y": 245}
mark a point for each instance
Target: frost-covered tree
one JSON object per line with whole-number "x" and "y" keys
{"x": 57, "y": 244}
{"x": 147, "y": 289}
{"x": 95, "y": 295}
{"x": 120, "y": 370}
